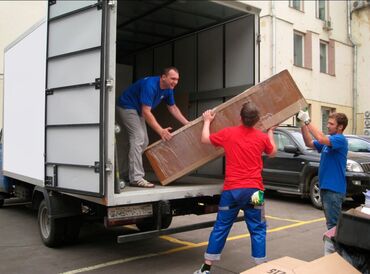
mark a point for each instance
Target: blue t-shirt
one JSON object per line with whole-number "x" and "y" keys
{"x": 333, "y": 161}
{"x": 147, "y": 92}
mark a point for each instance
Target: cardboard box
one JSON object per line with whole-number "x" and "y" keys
{"x": 277, "y": 98}
{"x": 330, "y": 264}
{"x": 278, "y": 266}
{"x": 353, "y": 229}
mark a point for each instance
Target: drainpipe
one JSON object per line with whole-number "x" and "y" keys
{"x": 354, "y": 72}
{"x": 273, "y": 37}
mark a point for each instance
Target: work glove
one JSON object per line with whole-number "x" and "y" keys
{"x": 257, "y": 198}
{"x": 299, "y": 122}
{"x": 304, "y": 117}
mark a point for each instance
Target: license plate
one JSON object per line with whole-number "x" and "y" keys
{"x": 130, "y": 211}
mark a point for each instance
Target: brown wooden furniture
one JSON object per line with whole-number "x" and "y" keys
{"x": 277, "y": 98}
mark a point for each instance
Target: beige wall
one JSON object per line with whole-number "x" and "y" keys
{"x": 320, "y": 89}
{"x": 361, "y": 35}
{"x": 15, "y": 18}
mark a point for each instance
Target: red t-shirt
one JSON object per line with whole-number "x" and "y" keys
{"x": 243, "y": 151}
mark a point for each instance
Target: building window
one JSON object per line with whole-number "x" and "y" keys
{"x": 296, "y": 4}
{"x": 321, "y": 9}
{"x": 325, "y": 112}
{"x": 298, "y": 49}
{"x": 323, "y": 56}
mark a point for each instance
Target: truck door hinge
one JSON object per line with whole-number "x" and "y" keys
{"x": 97, "y": 83}
{"x": 97, "y": 167}
{"x": 109, "y": 83}
{"x": 48, "y": 180}
{"x": 258, "y": 38}
{"x": 108, "y": 166}
{"x": 99, "y": 5}
{"x": 111, "y": 3}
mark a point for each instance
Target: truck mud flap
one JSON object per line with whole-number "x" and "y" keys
{"x": 155, "y": 233}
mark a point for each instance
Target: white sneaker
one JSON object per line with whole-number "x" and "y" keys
{"x": 202, "y": 272}
{"x": 142, "y": 183}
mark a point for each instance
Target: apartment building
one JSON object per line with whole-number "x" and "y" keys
{"x": 324, "y": 44}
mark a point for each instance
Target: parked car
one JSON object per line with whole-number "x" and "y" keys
{"x": 295, "y": 168}
{"x": 358, "y": 143}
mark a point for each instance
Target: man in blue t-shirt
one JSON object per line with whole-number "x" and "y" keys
{"x": 333, "y": 161}
{"x": 135, "y": 109}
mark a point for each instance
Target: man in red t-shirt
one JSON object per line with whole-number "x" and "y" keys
{"x": 243, "y": 187}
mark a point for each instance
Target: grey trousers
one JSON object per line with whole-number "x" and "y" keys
{"x": 136, "y": 141}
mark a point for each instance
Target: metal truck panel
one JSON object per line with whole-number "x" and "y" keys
{"x": 24, "y": 105}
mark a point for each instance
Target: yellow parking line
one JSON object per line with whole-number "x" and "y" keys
{"x": 283, "y": 219}
{"x": 177, "y": 241}
{"x": 186, "y": 246}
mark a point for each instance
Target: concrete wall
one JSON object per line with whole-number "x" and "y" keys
{"x": 15, "y": 18}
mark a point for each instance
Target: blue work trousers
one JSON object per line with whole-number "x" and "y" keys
{"x": 230, "y": 203}
{"x": 332, "y": 205}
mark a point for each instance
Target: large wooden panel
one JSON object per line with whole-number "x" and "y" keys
{"x": 277, "y": 98}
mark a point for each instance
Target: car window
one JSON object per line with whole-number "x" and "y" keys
{"x": 358, "y": 145}
{"x": 282, "y": 140}
{"x": 299, "y": 138}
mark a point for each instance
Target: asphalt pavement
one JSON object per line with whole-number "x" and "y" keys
{"x": 295, "y": 229}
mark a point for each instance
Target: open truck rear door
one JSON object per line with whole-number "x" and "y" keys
{"x": 75, "y": 97}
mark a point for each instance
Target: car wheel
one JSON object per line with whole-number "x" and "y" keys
{"x": 360, "y": 199}
{"x": 51, "y": 230}
{"x": 315, "y": 193}
{"x": 1, "y": 202}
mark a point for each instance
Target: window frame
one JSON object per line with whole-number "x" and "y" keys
{"x": 302, "y": 35}
{"x": 322, "y": 42}
{"x": 292, "y": 2}
{"x": 318, "y": 9}
{"x": 327, "y": 111}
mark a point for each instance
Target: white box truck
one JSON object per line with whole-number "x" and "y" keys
{"x": 61, "y": 81}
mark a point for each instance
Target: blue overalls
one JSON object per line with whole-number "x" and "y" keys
{"x": 230, "y": 203}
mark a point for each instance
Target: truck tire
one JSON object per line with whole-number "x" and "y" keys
{"x": 1, "y": 202}
{"x": 72, "y": 229}
{"x": 148, "y": 224}
{"x": 151, "y": 223}
{"x": 315, "y": 196}
{"x": 51, "y": 230}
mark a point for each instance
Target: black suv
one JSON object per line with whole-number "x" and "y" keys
{"x": 295, "y": 168}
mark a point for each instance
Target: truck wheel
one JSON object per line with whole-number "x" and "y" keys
{"x": 151, "y": 223}
{"x": 315, "y": 193}
{"x": 72, "y": 229}
{"x": 51, "y": 230}
{"x": 1, "y": 202}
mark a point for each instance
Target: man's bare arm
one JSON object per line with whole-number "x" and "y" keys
{"x": 319, "y": 136}
{"x": 152, "y": 122}
{"x": 270, "y": 133}
{"x": 176, "y": 112}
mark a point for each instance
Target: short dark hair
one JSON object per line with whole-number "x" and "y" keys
{"x": 165, "y": 71}
{"x": 249, "y": 114}
{"x": 340, "y": 118}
